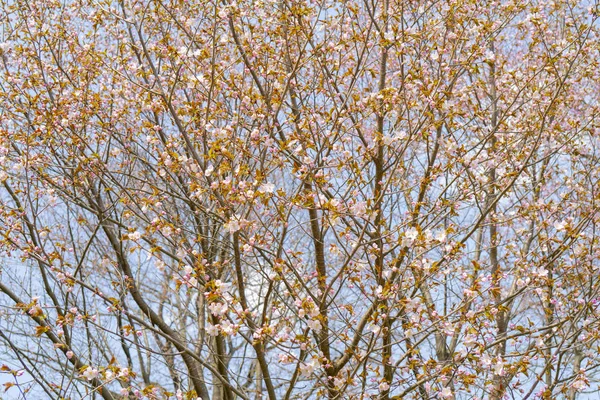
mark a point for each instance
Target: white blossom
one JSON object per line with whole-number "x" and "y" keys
{"x": 266, "y": 188}
{"x": 315, "y": 325}
{"x": 307, "y": 369}
{"x": 446, "y": 393}
{"x": 212, "y": 330}
{"x": 90, "y": 373}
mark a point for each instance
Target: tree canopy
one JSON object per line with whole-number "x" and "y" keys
{"x": 285, "y": 199}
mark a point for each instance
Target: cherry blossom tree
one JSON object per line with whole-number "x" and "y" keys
{"x": 285, "y": 199}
